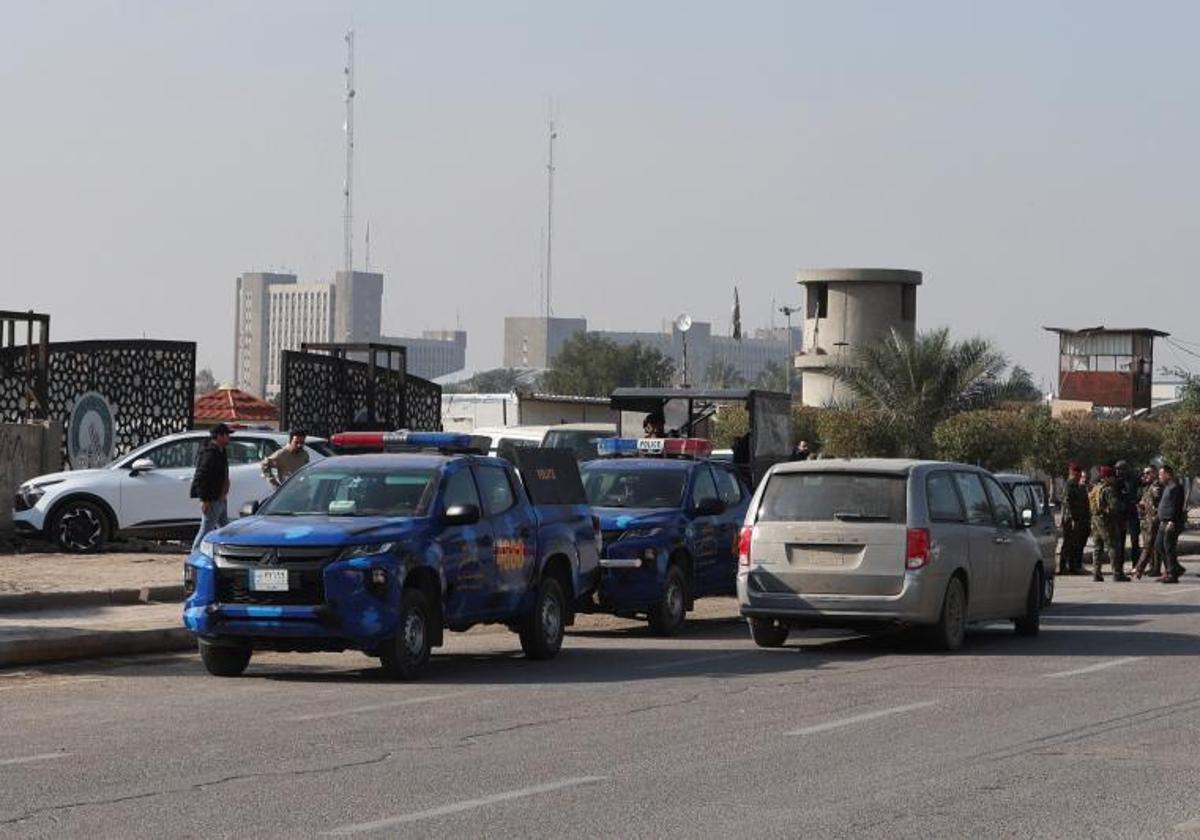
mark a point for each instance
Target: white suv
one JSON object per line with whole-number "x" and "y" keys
{"x": 145, "y": 493}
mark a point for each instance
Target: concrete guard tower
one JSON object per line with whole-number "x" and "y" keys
{"x": 846, "y": 308}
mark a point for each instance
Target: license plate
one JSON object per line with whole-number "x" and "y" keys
{"x": 269, "y": 580}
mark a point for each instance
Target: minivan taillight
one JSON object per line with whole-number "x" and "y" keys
{"x": 744, "y": 540}
{"x": 916, "y": 555}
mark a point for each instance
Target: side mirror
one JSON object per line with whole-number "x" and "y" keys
{"x": 141, "y": 465}
{"x": 461, "y": 515}
{"x": 251, "y": 507}
{"x": 709, "y": 507}
{"x": 1027, "y": 518}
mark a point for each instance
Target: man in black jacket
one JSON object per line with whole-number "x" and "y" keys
{"x": 210, "y": 484}
{"x": 1172, "y": 517}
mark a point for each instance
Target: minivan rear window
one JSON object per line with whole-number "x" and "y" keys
{"x": 835, "y": 497}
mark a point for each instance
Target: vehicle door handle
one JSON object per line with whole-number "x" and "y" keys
{"x": 485, "y": 541}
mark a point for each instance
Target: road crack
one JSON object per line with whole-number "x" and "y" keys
{"x": 637, "y": 710}
{"x": 196, "y": 786}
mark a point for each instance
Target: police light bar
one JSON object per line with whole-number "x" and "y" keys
{"x": 386, "y": 440}
{"x": 669, "y": 447}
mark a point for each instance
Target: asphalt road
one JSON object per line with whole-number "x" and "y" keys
{"x": 1090, "y": 730}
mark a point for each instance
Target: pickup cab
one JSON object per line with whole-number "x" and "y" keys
{"x": 383, "y": 552}
{"x": 669, "y": 519}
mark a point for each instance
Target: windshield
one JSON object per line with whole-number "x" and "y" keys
{"x": 353, "y": 492}
{"x": 834, "y": 496}
{"x": 613, "y": 487}
{"x": 579, "y": 441}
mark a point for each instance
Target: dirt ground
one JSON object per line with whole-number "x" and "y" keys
{"x": 54, "y": 572}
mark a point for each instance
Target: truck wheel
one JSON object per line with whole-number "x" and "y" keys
{"x": 667, "y": 616}
{"x": 405, "y": 656}
{"x": 224, "y": 660}
{"x": 80, "y": 527}
{"x": 1048, "y": 591}
{"x": 1029, "y": 623}
{"x": 951, "y": 629}
{"x": 767, "y": 633}
{"x": 543, "y": 627}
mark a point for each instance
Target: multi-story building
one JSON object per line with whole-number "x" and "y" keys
{"x": 274, "y": 313}
{"x": 534, "y": 342}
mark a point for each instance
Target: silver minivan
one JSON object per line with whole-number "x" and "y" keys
{"x": 862, "y": 543}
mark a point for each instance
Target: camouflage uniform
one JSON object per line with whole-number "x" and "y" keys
{"x": 1148, "y": 512}
{"x": 1075, "y": 525}
{"x": 1105, "y": 506}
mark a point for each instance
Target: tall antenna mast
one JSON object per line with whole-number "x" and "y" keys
{"x": 348, "y": 218}
{"x": 550, "y": 220}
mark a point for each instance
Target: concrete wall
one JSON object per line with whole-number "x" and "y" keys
{"x": 26, "y": 450}
{"x": 357, "y": 302}
{"x": 539, "y": 411}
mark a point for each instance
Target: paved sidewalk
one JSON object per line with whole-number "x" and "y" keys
{"x": 31, "y": 637}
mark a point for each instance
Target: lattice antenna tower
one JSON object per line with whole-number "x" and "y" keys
{"x": 348, "y": 186}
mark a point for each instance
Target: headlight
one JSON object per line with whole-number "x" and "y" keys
{"x": 643, "y": 533}
{"x": 369, "y": 550}
{"x": 206, "y": 548}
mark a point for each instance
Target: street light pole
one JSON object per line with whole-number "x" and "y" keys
{"x": 791, "y": 361}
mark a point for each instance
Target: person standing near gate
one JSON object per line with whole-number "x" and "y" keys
{"x": 1172, "y": 517}
{"x": 1105, "y": 507}
{"x": 1075, "y": 523}
{"x": 279, "y": 466}
{"x": 210, "y": 484}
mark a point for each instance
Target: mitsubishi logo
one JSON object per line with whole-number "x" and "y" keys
{"x": 271, "y": 558}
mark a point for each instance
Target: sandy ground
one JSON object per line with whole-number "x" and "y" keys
{"x": 46, "y": 572}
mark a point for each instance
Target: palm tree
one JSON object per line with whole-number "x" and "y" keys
{"x": 915, "y": 384}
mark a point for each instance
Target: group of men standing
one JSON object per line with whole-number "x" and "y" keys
{"x": 1150, "y": 512}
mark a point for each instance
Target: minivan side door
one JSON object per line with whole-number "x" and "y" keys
{"x": 1012, "y": 549}
{"x": 950, "y": 535}
{"x": 987, "y": 570}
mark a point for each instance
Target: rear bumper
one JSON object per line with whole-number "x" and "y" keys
{"x": 918, "y": 602}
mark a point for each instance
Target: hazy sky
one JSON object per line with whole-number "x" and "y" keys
{"x": 1037, "y": 160}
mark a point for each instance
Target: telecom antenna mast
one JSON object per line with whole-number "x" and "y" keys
{"x": 348, "y": 189}
{"x": 550, "y": 220}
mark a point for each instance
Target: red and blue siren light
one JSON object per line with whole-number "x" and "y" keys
{"x": 666, "y": 447}
{"x": 390, "y": 440}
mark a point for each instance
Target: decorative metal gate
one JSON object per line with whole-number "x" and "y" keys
{"x": 146, "y": 387}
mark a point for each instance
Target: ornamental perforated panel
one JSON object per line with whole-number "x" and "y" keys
{"x": 424, "y": 404}
{"x": 146, "y": 386}
{"x": 324, "y": 394}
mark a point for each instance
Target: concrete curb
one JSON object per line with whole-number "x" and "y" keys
{"x": 93, "y": 645}
{"x": 27, "y": 601}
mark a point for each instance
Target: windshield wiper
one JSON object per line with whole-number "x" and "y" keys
{"x": 859, "y": 516}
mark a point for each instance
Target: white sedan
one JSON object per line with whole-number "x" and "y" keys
{"x": 146, "y": 493}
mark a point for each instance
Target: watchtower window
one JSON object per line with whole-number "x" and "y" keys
{"x": 817, "y": 298}
{"x": 908, "y": 303}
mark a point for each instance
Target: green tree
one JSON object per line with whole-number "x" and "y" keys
{"x": 732, "y": 421}
{"x": 914, "y": 385}
{"x": 590, "y": 365}
{"x": 722, "y": 374}
{"x": 992, "y": 439}
{"x": 1181, "y": 443}
{"x": 205, "y": 381}
{"x": 773, "y": 377}
{"x": 857, "y": 432}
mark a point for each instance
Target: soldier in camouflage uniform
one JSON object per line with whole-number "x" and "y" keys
{"x": 1148, "y": 514}
{"x": 1075, "y": 523}
{"x": 1105, "y": 506}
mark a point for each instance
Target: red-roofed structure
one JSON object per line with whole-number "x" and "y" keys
{"x": 230, "y": 405}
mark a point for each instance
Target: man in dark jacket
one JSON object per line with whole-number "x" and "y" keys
{"x": 1172, "y": 517}
{"x": 210, "y": 484}
{"x": 1076, "y": 523}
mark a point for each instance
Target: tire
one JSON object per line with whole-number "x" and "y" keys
{"x": 950, "y": 631}
{"x": 405, "y": 655}
{"x": 667, "y": 616}
{"x": 79, "y": 527}
{"x": 1029, "y": 623}
{"x": 767, "y": 633}
{"x": 543, "y": 627}
{"x": 1048, "y": 590}
{"x": 224, "y": 660}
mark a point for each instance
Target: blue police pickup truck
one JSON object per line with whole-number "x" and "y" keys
{"x": 670, "y": 521}
{"x": 381, "y": 552}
